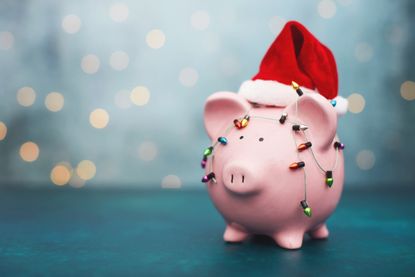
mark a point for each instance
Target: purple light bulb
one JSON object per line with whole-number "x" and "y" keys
{"x": 205, "y": 179}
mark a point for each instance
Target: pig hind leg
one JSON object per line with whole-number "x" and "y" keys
{"x": 234, "y": 234}
{"x": 321, "y": 232}
{"x": 289, "y": 239}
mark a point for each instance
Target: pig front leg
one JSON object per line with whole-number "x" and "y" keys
{"x": 289, "y": 239}
{"x": 234, "y": 234}
{"x": 321, "y": 232}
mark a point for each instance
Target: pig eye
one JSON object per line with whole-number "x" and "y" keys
{"x": 241, "y": 137}
{"x": 261, "y": 139}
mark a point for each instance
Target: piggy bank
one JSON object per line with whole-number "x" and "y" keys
{"x": 274, "y": 170}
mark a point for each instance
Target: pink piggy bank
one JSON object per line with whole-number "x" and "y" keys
{"x": 274, "y": 170}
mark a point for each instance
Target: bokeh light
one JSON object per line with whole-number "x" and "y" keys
{"x": 230, "y": 66}
{"x": 26, "y": 96}
{"x": 365, "y": 159}
{"x": 90, "y": 64}
{"x": 6, "y": 40}
{"x": 3, "y": 130}
{"x": 326, "y": 8}
{"x": 171, "y": 182}
{"x": 61, "y": 174}
{"x": 119, "y": 12}
{"x": 54, "y": 101}
{"x": 80, "y": 77}
{"x": 76, "y": 181}
{"x": 363, "y": 52}
{"x": 119, "y": 60}
{"x": 140, "y": 96}
{"x": 99, "y": 118}
{"x": 200, "y": 20}
{"x": 71, "y": 24}
{"x": 408, "y": 90}
{"x": 122, "y": 99}
{"x": 86, "y": 170}
{"x": 396, "y": 35}
{"x": 29, "y": 151}
{"x": 147, "y": 151}
{"x": 188, "y": 77}
{"x": 356, "y": 103}
{"x": 155, "y": 39}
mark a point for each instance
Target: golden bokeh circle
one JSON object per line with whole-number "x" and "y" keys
{"x": 54, "y": 101}
{"x": 26, "y": 96}
{"x": 356, "y": 103}
{"x": 86, "y": 170}
{"x": 408, "y": 90}
{"x": 71, "y": 24}
{"x": 155, "y": 39}
{"x": 60, "y": 174}
{"x": 29, "y": 151}
{"x": 90, "y": 64}
{"x": 99, "y": 118}
{"x": 140, "y": 96}
{"x": 3, "y": 130}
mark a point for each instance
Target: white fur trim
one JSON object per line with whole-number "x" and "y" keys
{"x": 341, "y": 105}
{"x": 274, "y": 93}
{"x": 271, "y": 93}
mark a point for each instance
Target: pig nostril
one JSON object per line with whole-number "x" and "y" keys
{"x": 232, "y": 178}
{"x": 243, "y": 178}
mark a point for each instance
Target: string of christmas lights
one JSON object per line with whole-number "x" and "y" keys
{"x": 297, "y": 127}
{"x": 223, "y": 141}
{"x": 300, "y": 164}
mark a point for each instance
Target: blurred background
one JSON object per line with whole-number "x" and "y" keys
{"x": 107, "y": 93}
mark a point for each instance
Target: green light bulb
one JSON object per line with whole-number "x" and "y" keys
{"x": 208, "y": 151}
{"x": 307, "y": 211}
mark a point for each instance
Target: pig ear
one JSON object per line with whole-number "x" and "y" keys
{"x": 221, "y": 109}
{"x": 318, "y": 114}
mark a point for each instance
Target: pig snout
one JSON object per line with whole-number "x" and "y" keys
{"x": 239, "y": 178}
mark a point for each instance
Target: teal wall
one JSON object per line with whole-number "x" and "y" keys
{"x": 373, "y": 43}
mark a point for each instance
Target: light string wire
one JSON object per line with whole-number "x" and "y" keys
{"x": 333, "y": 168}
{"x": 226, "y": 132}
{"x": 298, "y": 154}
{"x": 307, "y": 139}
{"x": 299, "y": 158}
{"x": 230, "y": 128}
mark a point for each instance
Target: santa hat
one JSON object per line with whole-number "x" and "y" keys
{"x": 295, "y": 55}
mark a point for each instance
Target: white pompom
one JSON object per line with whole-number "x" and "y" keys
{"x": 341, "y": 105}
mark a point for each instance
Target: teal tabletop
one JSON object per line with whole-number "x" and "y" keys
{"x": 95, "y": 232}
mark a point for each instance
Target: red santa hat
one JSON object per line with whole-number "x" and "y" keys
{"x": 295, "y": 55}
